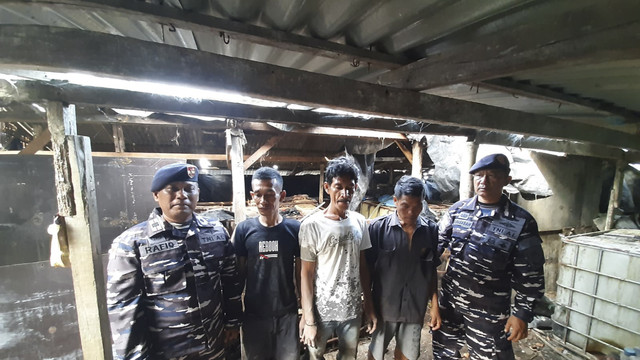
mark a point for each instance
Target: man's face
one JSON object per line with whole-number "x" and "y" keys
{"x": 408, "y": 208}
{"x": 488, "y": 185}
{"x": 178, "y": 200}
{"x": 267, "y": 194}
{"x": 341, "y": 191}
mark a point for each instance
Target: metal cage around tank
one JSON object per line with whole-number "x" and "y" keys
{"x": 598, "y": 299}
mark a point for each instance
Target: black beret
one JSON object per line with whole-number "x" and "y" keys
{"x": 493, "y": 161}
{"x": 173, "y": 172}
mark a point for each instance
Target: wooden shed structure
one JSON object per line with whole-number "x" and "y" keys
{"x": 293, "y": 82}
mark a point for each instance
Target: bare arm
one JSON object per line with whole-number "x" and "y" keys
{"x": 298, "y": 269}
{"x": 307, "y": 279}
{"x": 436, "y": 320}
{"x": 365, "y": 280}
{"x": 242, "y": 270}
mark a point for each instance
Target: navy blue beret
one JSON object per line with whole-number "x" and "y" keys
{"x": 493, "y": 161}
{"x": 173, "y": 172}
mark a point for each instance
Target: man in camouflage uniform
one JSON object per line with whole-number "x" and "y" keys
{"x": 173, "y": 290}
{"x": 495, "y": 248}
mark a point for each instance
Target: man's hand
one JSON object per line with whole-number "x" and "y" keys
{"x": 308, "y": 334}
{"x": 371, "y": 320}
{"x": 436, "y": 320}
{"x": 231, "y": 335}
{"x": 301, "y": 327}
{"x": 516, "y": 328}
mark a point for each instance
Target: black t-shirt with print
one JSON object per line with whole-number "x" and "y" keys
{"x": 270, "y": 253}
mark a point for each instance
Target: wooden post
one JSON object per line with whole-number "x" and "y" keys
{"x": 235, "y": 142}
{"x": 466, "y": 180}
{"x": 321, "y": 187}
{"x": 62, "y": 121}
{"x": 118, "y": 138}
{"x": 416, "y": 164}
{"x": 83, "y": 234}
{"x": 614, "y": 197}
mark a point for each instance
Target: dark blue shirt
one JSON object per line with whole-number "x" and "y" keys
{"x": 404, "y": 279}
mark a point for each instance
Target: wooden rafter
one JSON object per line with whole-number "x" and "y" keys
{"x": 407, "y": 153}
{"x": 262, "y": 150}
{"x": 37, "y": 143}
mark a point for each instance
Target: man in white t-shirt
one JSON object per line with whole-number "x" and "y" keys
{"x": 334, "y": 274}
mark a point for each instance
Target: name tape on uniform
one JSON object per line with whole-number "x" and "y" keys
{"x": 507, "y": 228}
{"x": 158, "y": 247}
{"x": 209, "y": 238}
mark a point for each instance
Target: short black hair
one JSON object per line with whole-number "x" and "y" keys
{"x": 341, "y": 167}
{"x": 409, "y": 186}
{"x": 268, "y": 173}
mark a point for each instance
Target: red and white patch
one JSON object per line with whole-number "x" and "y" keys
{"x": 191, "y": 171}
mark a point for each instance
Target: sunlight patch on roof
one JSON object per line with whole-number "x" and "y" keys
{"x": 150, "y": 87}
{"x": 132, "y": 112}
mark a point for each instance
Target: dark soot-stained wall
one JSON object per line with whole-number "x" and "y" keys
{"x": 37, "y": 307}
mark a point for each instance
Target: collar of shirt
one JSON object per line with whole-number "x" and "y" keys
{"x": 504, "y": 208}
{"x": 157, "y": 224}
{"x": 395, "y": 221}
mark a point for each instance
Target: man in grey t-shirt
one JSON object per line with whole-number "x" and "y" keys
{"x": 334, "y": 272}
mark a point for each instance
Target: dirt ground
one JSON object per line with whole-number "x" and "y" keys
{"x": 536, "y": 346}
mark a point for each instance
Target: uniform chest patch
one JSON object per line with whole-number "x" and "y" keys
{"x": 462, "y": 223}
{"x": 146, "y": 250}
{"x": 209, "y": 238}
{"x": 509, "y": 228}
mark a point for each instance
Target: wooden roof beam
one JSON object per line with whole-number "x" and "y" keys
{"x": 101, "y": 56}
{"x": 185, "y": 156}
{"x": 32, "y": 91}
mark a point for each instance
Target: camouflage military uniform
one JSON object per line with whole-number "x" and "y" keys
{"x": 165, "y": 290}
{"x": 491, "y": 253}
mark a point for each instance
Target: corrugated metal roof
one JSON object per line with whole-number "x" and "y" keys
{"x": 616, "y": 81}
{"x": 432, "y": 31}
{"x": 399, "y": 26}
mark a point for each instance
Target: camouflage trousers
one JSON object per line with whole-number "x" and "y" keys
{"x": 208, "y": 354}
{"x": 484, "y": 336}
